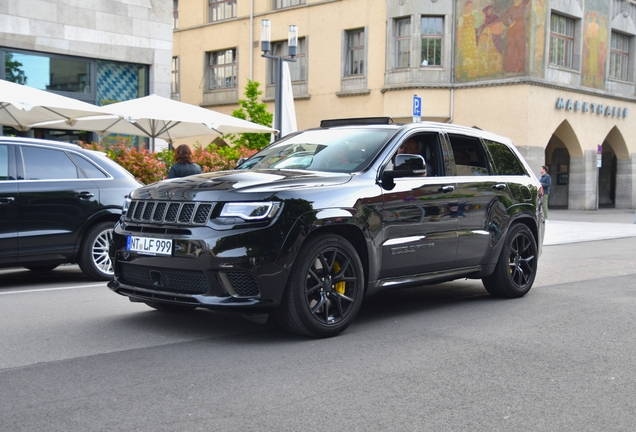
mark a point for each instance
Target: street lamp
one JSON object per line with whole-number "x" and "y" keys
{"x": 266, "y": 47}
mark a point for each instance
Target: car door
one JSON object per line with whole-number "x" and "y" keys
{"x": 482, "y": 200}
{"x": 8, "y": 206}
{"x": 419, "y": 234}
{"x": 54, "y": 203}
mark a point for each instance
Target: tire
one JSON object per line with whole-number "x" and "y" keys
{"x": 93, "y": 257}
{"x": 325, "y": 288}
{"x": 42, "y": 268}
{"x": 517, "y": 265}
{"x": 173, "y": 308}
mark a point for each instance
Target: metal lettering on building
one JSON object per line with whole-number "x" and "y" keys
{"x": 591, "y": 107}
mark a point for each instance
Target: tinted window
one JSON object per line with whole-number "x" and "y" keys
{"x": 506, "y": 162}
{"x": 4, "y": 162}
{"x": 90, "y": 170}
{"x": 47, "y": 164}
{"x": 469, "y": 155}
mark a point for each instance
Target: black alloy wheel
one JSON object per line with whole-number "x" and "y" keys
{"x": 517, "y": 265}
{"x": 325, "y": 288}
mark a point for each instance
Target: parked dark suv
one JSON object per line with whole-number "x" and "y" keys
{"x": 58, "y": 204}
{"x": 310, "y": 225}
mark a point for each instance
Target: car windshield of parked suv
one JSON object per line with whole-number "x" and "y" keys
{"x": 344, "y": 150}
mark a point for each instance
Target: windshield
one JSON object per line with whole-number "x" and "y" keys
{"x": 334, "y": 150}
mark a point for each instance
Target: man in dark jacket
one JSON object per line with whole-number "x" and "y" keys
{"x": 546, "y": 182}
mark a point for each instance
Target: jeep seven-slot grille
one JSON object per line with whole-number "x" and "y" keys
{"x": 165, "y": 212}
{"x": 164, "y": 279}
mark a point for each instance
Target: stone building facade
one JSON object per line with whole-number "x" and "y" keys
{"x": 98, "y": 51}
{"x": 556, "y": 76}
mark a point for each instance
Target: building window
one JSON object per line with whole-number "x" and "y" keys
{"x": 561, "y": 41}
{"x": 355, "y": 52}
{"x": 297, "y": 69}
{"x": 403, "y": 42}
{"x": 221, "y": 10}
{"x": 222, "y": 69}
{"x": 619, "y": 56}
{"x": 175, "y": 14}
{"x": 174, "y": 87}
{"x": 432, "y": 32}
{"x": 280, "y": 4}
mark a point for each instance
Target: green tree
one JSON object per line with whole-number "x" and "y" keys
{"x": 255, "y": 111}
{"x": 12, "y": 71}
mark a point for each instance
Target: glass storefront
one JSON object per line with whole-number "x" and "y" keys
{"x": 99, "y": 82}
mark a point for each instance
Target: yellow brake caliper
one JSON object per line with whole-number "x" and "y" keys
{"x": 340, "y": 286}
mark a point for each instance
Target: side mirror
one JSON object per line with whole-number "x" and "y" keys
{"x": 407, "y": 165}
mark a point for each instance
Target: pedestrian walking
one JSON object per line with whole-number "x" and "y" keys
{"x": 546, "y": 182}
{"x": 183, "y": 163}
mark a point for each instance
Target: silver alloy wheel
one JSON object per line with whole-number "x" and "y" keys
{"x": 99, "y": 252}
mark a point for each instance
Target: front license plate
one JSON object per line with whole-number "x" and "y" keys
{"x": 149, "y": 246}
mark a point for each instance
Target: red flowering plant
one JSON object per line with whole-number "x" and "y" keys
{"x": 139, "y": 162}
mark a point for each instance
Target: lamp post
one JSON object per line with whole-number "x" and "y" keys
{"x": 292, "y": 43}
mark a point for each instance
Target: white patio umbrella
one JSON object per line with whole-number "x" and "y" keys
{"x": 158, "y": 117}
{"x": 21, "y": 107}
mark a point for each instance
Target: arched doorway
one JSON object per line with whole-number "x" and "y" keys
{"x": 615, "y": 174}
{"x": 565, "y": 162}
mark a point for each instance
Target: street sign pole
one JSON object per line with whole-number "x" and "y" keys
{"x": 417, "y": 109}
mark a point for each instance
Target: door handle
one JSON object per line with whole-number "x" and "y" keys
{"x": 6, "y": 200}
{"x": 499, "y": 186}
{"x": 85, "y": 195}
{"x": 446, "y": 189}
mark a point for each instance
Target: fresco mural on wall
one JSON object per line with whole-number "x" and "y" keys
{"x": 595, "y": 44}
{"x": 493, "y": 38}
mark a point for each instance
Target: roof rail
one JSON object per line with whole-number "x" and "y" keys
{"x": 356, "y": 121}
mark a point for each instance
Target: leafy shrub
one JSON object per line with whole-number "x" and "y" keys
{"x": 150, "y": 167}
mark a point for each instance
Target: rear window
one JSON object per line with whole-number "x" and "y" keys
{"x": 504, "y": 159}
{"x": 47, "y": 164}
{"x": 4, "y": 162}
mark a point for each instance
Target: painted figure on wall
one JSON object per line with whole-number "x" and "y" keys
{"x": 593, "y": 62}
{"x": 514, "y": 58}
{"x": 493, "y": 37}
{"x": 489, "y": 43}
{"x": 538, "y": 25}
{"x": 468, "y": 23}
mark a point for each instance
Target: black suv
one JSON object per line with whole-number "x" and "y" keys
{"x": 59, "y": 204}
{"x": 311, "y": 224}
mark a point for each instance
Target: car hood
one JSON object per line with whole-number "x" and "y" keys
{"x": 218, "y": 186}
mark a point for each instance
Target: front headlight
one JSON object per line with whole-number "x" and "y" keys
{"x": 126, "y": 206}
{"x": 251, "y": 211}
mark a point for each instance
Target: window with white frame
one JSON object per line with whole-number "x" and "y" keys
{"x": 561, "y": 41}
{"x": 432, "y": 38}
{"x": 403, "y": 42}
{"x": 175, "y": 14}
{"x": 280, "y": 4}
{"x": 297, "y": 69}
{"x": 174, "y": 85}
{"x": 355, "y": 52}
{"x": 619, "y": 56}
{"x": 222, "y": 69}
{"x": 222, "y": 10}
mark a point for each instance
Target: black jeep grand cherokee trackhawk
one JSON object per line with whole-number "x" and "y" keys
{"x": 311, "y": 224}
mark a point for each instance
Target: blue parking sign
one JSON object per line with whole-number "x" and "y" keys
{"x": 417, "y": 106}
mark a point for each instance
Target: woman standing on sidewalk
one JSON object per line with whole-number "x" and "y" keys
{"x": 546, "y": 182}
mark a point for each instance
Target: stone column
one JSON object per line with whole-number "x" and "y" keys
{"x": 626, "y": 183}
{"x": 582, "y": 192}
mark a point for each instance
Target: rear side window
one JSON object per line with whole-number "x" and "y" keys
{"x": 504, "y": 159}
{"x": 90, "y": 170}
{"x": 47, "y": 164}
{"x": 470, "y": 157}
{"x": 4, "y": 162}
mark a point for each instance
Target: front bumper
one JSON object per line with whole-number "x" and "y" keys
{"x": 235, "y": 270}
